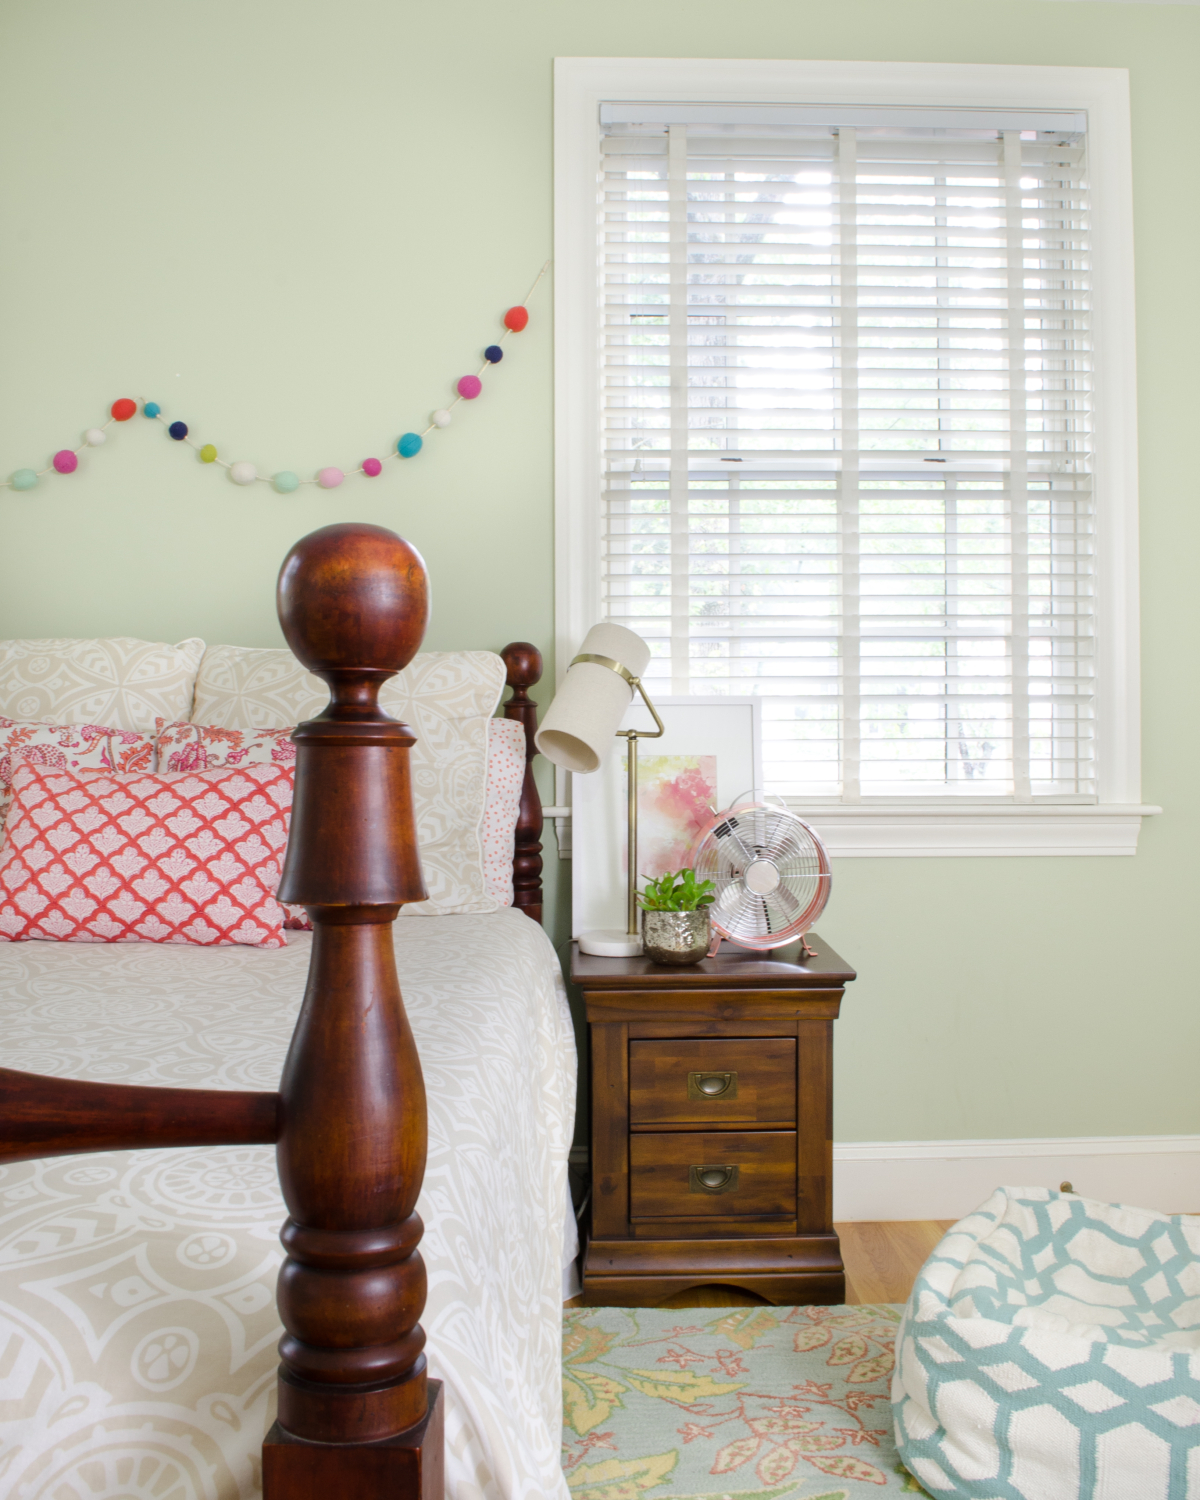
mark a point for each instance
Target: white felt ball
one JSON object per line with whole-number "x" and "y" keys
{"x": 243, "y": 473}
{"x": 94, "y": 436}
{"x": 441, "y": 418}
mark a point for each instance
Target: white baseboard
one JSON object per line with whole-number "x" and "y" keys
{"x": 875, "y": 1180}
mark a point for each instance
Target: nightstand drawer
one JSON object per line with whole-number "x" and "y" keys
{"x": 712, "y": 1174}
{"x": 713, "y": 1082}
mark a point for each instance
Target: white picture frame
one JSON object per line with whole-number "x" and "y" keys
{"x": 729, "y": 728}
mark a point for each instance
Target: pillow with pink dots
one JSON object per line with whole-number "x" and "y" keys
{"x": 502, "y": 806}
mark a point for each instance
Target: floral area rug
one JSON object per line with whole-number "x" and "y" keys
{"x": 774, "y": 1403}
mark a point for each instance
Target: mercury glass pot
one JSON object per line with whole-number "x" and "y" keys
{"x": 675, "y": 937}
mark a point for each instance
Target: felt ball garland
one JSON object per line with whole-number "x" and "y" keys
{"x": 285, "y": 482}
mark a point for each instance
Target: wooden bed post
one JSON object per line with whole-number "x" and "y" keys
{"x": 357, "y": 1417}
{"x": 524, "y": 664}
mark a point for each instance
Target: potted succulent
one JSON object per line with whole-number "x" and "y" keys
{"x": 675, "y": 917}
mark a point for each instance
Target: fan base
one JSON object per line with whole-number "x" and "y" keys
{"x": 609, "y": 943}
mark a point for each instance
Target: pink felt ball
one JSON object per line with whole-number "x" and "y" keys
{"x": 371, "y": 466}
{"x": 65, "y": 461}
{"x": 469, "y": 387}
{"x": 329, "y": 479}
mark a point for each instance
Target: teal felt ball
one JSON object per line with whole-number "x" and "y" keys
{"x": 285, "y": 482}
{"x": 151, "y": 408}
{"x": 409, "y": 445}
{"x": 23, "y": 479}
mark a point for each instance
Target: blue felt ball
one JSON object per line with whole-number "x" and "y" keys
{"x": 178, "y": 431}
{"x": 151, "y": 409}
{"x": 493, "y": 354}
{"x": 409, "y": 445}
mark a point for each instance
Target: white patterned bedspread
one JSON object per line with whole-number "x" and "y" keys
{"x": 137, "y": 1312}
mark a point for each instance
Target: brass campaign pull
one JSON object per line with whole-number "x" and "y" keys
{"x": 712, "y": 1085}
{"x": 712, "y": 1179}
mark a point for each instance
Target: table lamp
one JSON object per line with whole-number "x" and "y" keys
{"x": 577, "y": 734}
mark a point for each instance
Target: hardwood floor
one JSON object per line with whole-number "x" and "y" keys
{"x": 882, "y": 1261}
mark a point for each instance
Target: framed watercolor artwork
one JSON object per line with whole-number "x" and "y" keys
{"x": 710, "y": 754}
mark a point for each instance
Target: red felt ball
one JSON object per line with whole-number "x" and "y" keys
{"x": 516, "y": 318}
{"x": 123, "y": 409}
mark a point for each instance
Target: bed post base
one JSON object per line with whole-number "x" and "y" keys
{"x": 411, "y": 1464}
{"x": 523, "y": 663}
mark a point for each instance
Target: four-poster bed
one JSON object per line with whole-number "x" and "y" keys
{"x": 357, "y": 1412}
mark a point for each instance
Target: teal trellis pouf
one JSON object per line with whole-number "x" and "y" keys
{"x": 1051, "y": 1351}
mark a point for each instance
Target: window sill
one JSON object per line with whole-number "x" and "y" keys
{"x": 894, "y": 832}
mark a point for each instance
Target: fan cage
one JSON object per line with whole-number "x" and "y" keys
{"x": 757, "y": 831}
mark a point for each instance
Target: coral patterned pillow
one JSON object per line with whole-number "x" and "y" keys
{"x": 205, "y": 747}
{"x": 76, "y": 747}
{"x": 177, "y": 858}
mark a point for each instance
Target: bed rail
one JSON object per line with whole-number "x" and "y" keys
{"x": 357, "y": 1415}
{"x": 59, "y": 1117}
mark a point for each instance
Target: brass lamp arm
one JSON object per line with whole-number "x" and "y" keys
{"x": 644, "y": 734}
{"x": 632, "y": 736}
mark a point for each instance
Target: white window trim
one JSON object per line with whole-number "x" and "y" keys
{"x": 874, "y": 828}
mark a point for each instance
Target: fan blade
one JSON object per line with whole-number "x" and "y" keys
{"x": 788, "y": 903}
{"x": 728, "y": 896}
{"x": 728, "y": 830}
{"x": 782, "y": 836}
{"x": 732, "y": 917}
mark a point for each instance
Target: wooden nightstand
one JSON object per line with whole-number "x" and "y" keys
{"x": 712, "y": 1117}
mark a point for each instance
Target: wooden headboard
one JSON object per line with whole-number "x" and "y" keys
{"x": 524, "y": 664}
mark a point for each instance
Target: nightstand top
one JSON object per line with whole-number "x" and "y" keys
{"x": 733, "y": 968}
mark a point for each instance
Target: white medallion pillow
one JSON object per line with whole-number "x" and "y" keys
{"x": 117, "y": 681}
{"x": 446, "y": 697}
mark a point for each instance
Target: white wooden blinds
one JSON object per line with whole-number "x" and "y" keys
{"x": 846, "y": 436}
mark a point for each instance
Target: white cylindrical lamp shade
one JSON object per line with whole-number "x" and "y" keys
{"x": 581, "y": 724}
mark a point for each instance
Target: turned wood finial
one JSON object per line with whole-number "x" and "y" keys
{"x": 353, "y": 595}
{"x": 353, "y": 604}
{"x": 523, "y": 663}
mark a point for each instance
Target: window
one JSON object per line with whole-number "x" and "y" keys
{"x": 845, "y": 410}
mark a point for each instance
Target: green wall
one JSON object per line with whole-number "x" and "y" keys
{"x": 296, "y": 224}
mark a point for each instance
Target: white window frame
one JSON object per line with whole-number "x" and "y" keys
{"x": 910, "y": 826}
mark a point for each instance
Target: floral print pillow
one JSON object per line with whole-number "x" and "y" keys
{"x": 206, "y": 747}
{"x": 68, "y": 747}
